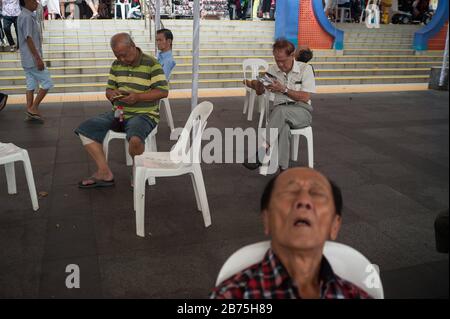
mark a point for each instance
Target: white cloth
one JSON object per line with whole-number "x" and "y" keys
{"x": 11, "y": 8}
{"x": 53, "y": 6}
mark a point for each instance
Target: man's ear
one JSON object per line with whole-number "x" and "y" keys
{"x": 265, "y": 216}
{"x": 335, "y": 227}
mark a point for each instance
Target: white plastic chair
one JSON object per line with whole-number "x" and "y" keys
{"x": 125, "y": 7}
{"x": 182, "y": 159}
{"x": 150, "y": 143}
{"x": 372, "y": 14}
{"x": 264, "y": 107}
{"x": 169, "y": 117}
{"x": 252, "y": 66}
{"x": 10, "y": 153}
{"x": 347, "y": 263}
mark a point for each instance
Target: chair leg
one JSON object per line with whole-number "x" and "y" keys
{"x": 122, "y": 12}
{"x": 197, "y": 199}
{"x": 294, "y": 147}
{"x": 139, "y": 199}
{"x": 251, "y": 102}
{"x": 150, "y": 146}
{"x": 262, "y": 109}
{"x": 30, "y": 180}
{"x": 11, "y": 178}
{"x": 106, "y": 145}
{"x": 168, "y": 113}
{"x": 310, "y": 142}
{"x": 128, "y": 157}
{"x": 198, "y": 176}
{"x": 247, "y": 96}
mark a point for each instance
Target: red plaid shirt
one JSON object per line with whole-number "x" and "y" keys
{"x": 269, "y": 279}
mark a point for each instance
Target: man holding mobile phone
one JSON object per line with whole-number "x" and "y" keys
{"x": 136, "y": 84}
{"x": 293, "y": 83}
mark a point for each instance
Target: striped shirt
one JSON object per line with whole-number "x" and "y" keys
{"x": 147, "y": 74}
{"x": 269, "y": 279}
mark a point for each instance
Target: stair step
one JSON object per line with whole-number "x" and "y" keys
{"x": 228, "y": 83}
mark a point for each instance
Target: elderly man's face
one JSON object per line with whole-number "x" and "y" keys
{"x": 301, "y": 214}
{"x": 31, "y": 4}
{"x": 163, "y": 43}
{"x": 283, "y": 61}
{"x": 126, "y": 54}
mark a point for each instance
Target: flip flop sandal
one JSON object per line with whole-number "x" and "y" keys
{"x": 33, "y": 115}
{"x": 33, "y": 118}
{"x": 5, "y": 99}
{"x": 96, "y": 183}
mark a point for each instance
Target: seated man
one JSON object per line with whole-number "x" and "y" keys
{"x": 301, "y": 210}
{"x": 136, "y": 84}
{"x": 164, "y": 40}
{"x": 294, "y": 82}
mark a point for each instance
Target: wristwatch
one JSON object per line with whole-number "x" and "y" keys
{"x": 285, "y": 92}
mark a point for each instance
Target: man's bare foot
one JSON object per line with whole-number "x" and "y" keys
{"x": 97, "y": 180}
{"x": 98, "y": 176}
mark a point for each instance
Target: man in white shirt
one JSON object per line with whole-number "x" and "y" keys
{"x": 293, "y": 84}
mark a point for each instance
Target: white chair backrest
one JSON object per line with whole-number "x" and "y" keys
{"x": 196, "y": 122}
{"x": 253, "y": 66}
{"x": 8, "y": 149}
{"x": 373, "y": 2}
{"x": 346, "y": 262}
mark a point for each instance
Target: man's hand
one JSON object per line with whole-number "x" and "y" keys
{"x": 40, "y": 64}
{"x": 276, "y": 86}
{"x": 110, "y": 94}
{"x": 255, "y": 85}
{"x": 130, "y": 99}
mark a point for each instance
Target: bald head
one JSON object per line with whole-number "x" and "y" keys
{"x": 123, "y": 39}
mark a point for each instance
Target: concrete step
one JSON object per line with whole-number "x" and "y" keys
{"x": 58, "y": 25}
{"x": 379, "y": 40}
{"x": 176, "y": 53}
{"x": 219, "y": 75}
{"x": 145, "y": 39}
{"x": 228, "y": 83}
{"x": 365, "y": 45}
{"x": 138, "y": 34}
{"x": 150, "y": 46}
{"x": 77, "y": 61}
{"x": 187, "y": 67}
{"x": 384, "y": 28}
{"x": 376, "y": 51}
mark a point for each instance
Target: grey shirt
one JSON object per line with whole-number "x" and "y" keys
{"x": 28, "y": 26}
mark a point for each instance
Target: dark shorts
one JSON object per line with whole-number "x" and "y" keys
{"x": 96, "y": 128}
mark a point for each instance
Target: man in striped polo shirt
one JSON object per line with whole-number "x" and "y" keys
{"x": 136, "y": 84}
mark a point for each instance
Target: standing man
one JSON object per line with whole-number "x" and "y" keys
{"x": 32, "y": 62}
{"x": 292, "y": 85}
{"x": 164, "y": 39}
{"x": 136, "y": 84}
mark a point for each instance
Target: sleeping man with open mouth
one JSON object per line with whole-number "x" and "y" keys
{"x": 301, "y": 210}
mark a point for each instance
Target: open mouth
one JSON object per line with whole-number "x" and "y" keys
{"x": 302, "y": 222}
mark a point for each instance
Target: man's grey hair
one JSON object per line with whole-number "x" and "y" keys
{"x": 124, "y": 38}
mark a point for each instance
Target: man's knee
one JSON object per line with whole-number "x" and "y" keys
{"x": 136, "y": 145}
